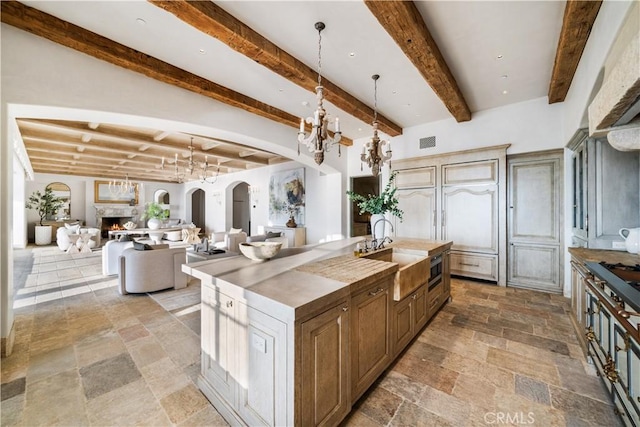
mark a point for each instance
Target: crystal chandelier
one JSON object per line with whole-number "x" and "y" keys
{"x": 372, "y": 151}
{"x": 120, "y": 188}
{"x": 319, "y": 141}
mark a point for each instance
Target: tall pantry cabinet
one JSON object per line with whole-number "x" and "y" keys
{"x": 461, "y": 197}
{"x": 535, "y": 231}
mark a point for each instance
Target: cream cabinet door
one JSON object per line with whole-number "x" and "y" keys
{"x": 263, "y": 397}
{"x": 419, "y": 207}
{"x": 218, "y": 342}
{"x": 470, "y": 218}
{"x": 535, "y": 221}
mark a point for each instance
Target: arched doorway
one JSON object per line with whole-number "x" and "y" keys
{"x": 241, "y": 207}
{"x": 198, "y": 212}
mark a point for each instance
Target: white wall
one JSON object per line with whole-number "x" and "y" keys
{"x": 19, "y": 201}
{"x": 324, "y": 201}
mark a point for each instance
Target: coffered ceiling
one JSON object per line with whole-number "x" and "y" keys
{"x": 437, "y": 60}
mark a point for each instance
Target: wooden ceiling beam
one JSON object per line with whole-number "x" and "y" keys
{"x": 211, "y": 19}
{"x": 157, "y": 151}
{"x": 67, "y": 34}
{"x": 140, "y": 142}
{"x": 578, "y": 20}
{"x": 34, "y": 143}
{"x": 403, "y": 22}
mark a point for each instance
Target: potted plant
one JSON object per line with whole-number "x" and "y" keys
{"x": 379, "y": 205}
{"x": 44, "y": 204}
{"x": 154, "y": 213}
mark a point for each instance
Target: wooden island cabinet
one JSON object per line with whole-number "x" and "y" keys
{"x": 298, "y": 339}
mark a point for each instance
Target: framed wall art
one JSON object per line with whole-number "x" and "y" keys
{"x": 287, "y": 197}
{"x": 102, "y": 194}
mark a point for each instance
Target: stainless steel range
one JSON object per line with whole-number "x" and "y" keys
{"x": 613, "y": 322}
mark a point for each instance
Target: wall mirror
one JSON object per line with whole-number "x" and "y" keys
{"x": 62, "y": 191}
{"x": 103, "y": 194}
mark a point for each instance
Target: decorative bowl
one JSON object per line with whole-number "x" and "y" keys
{"x": 129, "y": 225}
{"x": 260, "y": 251}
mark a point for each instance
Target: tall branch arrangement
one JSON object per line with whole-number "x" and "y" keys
{"x": 385, "y": 202}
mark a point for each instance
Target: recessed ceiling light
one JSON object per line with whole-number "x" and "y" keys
{"x": 504, "y": 76}
{"x": 504, "y": 92}
{"x": 280, "y": 90}
{"x": 359, "y": 129}
{"x": 141, "y": 21}
{"x": 202, "y": 51}
{"x": 352, "y": 54}
{"x": 394, "y": 92}
{"x": 305, "y": 103}
{"x": 500, "y": 56}
{"x": 408, "y": 105}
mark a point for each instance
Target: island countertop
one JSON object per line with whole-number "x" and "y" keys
{"x": 301, "y": 280}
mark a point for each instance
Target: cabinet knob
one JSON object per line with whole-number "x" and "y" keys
{"x": 376, "y": 292}
{"x": 414, "y": 296}
{"x": 229, "y": 303}
{"x": 345, "y": 308}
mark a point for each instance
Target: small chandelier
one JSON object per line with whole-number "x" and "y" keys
{"x": 121, "y": 188}
{"x": 319, "y": 141}
{"x": 191, "y": 167}
{"x": 372, "y": 151}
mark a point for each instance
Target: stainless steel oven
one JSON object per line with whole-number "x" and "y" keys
{"x": 435, "y": 278}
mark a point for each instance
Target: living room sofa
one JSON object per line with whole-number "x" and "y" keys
{"x": 269, "y": 237}
{"x": 143, "y": 271}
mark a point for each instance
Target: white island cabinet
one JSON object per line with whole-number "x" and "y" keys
{"x": 286, "y": 342}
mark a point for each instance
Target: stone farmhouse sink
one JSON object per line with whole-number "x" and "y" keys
{"x": 414, "y": 267}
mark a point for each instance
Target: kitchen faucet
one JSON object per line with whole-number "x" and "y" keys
{"x": 374, "y": 241}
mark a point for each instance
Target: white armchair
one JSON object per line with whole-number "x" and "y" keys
{"x": 228, "y": 241}
{"x": 111, "y": 256}
{"x": 151, "y": 270}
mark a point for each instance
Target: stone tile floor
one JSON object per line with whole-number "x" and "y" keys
{"x": 85, "y": 355}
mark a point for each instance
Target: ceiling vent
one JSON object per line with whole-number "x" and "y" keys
{"x": 428, "y": 142}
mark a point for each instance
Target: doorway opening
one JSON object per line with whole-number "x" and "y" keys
{"x": 241, "y": 217}
{"x": 365, "y": 185}
{"x": 198, "y": 211}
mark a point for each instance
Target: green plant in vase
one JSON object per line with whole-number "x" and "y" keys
{"x": 379, "y": 205}
{"x": 154, "y": 213}
{"x": 44, "y": 204}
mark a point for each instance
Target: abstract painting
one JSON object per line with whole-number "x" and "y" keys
{"x": 287, "y": 196}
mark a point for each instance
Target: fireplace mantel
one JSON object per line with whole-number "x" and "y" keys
{"x": 105, "y": 210}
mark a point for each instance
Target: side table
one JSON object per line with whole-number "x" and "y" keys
{"x": 85, "y": 238}
{"x": 73, "y": 239}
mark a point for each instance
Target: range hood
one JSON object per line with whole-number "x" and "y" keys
{"x": 615, "y": 110}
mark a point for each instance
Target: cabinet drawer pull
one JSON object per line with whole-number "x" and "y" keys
{"x": 229, "y": 303}
{"x": 626, "y": 314}
{"x": 470, "y": 265}
{"x": 345, "y": 308}
{"x": 414, "y": 296}
{"x": 376, "y": 292}
{"x": 590, "y": 335}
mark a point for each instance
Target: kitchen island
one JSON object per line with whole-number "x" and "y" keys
{"x": 298, "y": 339}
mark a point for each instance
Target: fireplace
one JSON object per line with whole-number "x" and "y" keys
{"x": 109, "y": 216}
{"x": 113, "y": 223}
